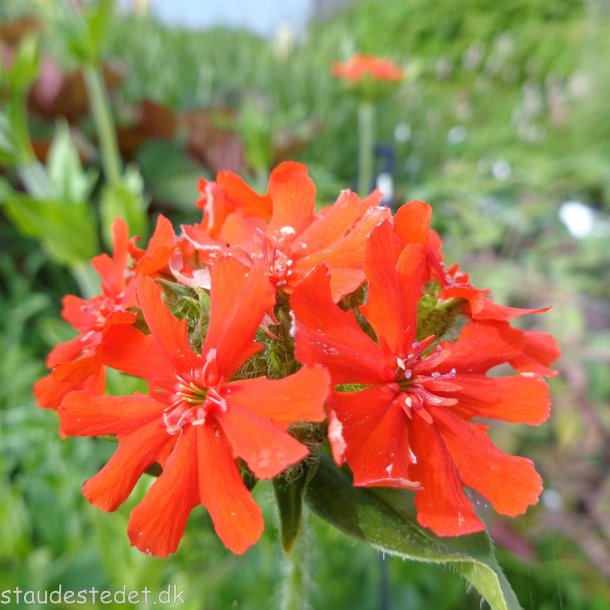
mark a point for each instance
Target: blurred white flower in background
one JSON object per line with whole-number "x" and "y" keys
{"x": 578, "y": 218}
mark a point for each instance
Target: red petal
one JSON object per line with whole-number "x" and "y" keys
{"x": 349, "y": 251}
{"x": 493, "y": 311}
{"x": 236, "y": 517}
{"x": 516, "y": 399}
{"x": 77, "y": 371}
{"x": 242, "y": 197}
{"x": 50, "y": 390}
{"x": 480, "y": 346}
{"x": 111, "y": 486}
{"x": 412, "y": 273}
{"x": 298, "y": 397}
{"x": 442, "y": 504}
{"x": 160, "y": 248}
{"x": 240, "y": 298}
{"x": 539, "y": 351}
{"x": 112, "y": 270}
{"x": 331, "y": 224}
{"x": 412, "y": 221}
{"x": 215, "y": 205}
{"x": 170, "y": 333}
{"x": 66, "y": 352}
{"x": 344, "y": 280}
{"x": 327, "y": 335}
{"x": 80, "y": 312}
{"x": 294, "y": 197}
{"x": 158, "y": 522}
{"x": 126, "y": 349}
{"x": 474, "y": 296}
{"x": 264, "y": 445}
{"x": 84, "y": 415}
{"x": 202, "y": 241}
{"x": 375, "y": 432}
{"x": 244, "y": 231}
{"x": 509, "y": 482}
{"x": 383, "y": 307}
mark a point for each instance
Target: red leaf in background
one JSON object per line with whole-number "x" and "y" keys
{"x": 56, "y": 93}
{"x": 216, "y": 147}
{"x": 11, "y": 32}
{"x": 150, "y": 120}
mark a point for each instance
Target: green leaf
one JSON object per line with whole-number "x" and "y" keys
{"x": 66, "y": 230}
{"x": 82, "y": 30}
{"x": 98, "y": 17}
{"x": 70, "y": 182}
{"x": 386, "y": 519}
{"x": 289, "y": 494}
{"x": 8, "y": 146}
{"x": 25, "y": 66}
{"x": 170, "y": 175}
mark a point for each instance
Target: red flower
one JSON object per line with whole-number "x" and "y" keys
{"x": 76, "y": 364}
{"x": 539, "y": 351}
{"x": 411, "y": 426}
{"x": 195, "y": 422}
{"x": 361, "y": 66}
{"x": 280, "y": 230}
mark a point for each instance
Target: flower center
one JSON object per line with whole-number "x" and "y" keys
{"x": 455, "y": 277}
{"x": 418, "y": 389}
{"x": 100, "y": 308}
{"x": 192, "y": 403}
{"x": 276, "y": 254}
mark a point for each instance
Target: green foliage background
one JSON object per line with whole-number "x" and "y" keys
{"x": 502, "y": 118}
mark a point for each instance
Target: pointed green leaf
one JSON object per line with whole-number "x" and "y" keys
{"x": 25, "y": 65}
{"x": 70, "y": 182}
{"x": 386, "y": 519}
{"x": 289, "y": 493}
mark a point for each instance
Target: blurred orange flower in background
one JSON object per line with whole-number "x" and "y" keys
{"x": 360, "y": 66}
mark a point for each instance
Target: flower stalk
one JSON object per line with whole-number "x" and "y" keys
{"x": 366, "y": 142}
{"x": 104, "y": 125}
{"x": 296, "y": 571}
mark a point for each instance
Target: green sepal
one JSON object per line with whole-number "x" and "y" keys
{"x": 386, "y": 519}
{"x": 442, "y": 319}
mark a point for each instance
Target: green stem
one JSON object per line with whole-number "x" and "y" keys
{"x": 366, "y": 142}
{"x": 295, "y": 572}
{"x": 100, "y": 107}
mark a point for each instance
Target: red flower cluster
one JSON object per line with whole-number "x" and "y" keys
{"x": 281, "y": 332}
{"x": 360, "y": 67}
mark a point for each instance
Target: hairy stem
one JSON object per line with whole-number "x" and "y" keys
{"x": 295, "y": 583}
